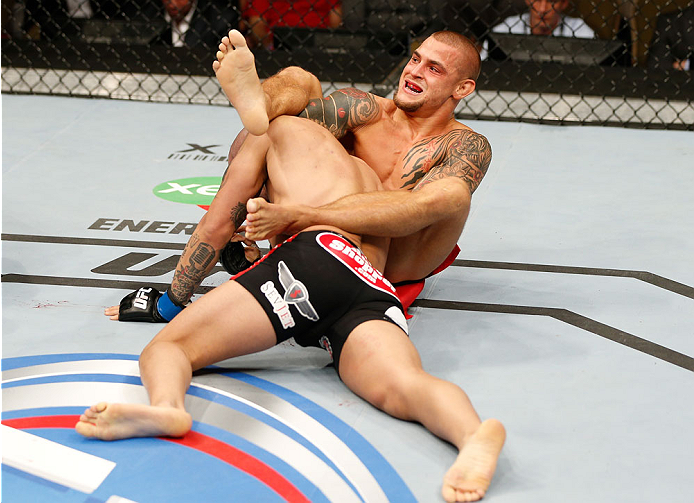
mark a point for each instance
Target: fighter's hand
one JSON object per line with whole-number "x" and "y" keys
{"x": 112, "y": 312}
{"x": 251, "y": 249}
{"x": 266, "y": 220}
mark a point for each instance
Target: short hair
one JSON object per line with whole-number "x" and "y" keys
{"x": 471, "y": 64}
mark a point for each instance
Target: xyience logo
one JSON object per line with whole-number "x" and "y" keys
{"x": 199, "y": 190}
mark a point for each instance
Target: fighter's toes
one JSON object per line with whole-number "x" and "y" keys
{"x": 453, "y": 495}
{"x": 236, "y": 39}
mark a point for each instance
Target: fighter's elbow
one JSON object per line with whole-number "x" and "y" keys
{"x": 447, "y": 199}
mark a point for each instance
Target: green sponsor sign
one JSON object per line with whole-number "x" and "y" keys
{"x": 199, "y": 190}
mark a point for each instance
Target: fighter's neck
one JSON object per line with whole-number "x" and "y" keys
{"x": 422, "y": 124}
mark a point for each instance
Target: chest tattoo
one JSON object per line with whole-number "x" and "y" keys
{"x": 460, "y": 153}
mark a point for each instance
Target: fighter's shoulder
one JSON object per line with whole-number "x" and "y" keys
{"x": 466, "y": 154}
{"x": 462, "y": 139}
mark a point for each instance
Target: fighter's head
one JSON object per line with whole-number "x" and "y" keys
{"x": 445, "y": 67}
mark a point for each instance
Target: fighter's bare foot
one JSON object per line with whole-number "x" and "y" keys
{"x": 265, "y": 220}
{"x": 113, "y": 421}
{"x": 235, "y": 69}
{"x": 472, "y": 472}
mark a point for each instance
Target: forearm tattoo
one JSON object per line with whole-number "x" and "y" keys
{"x": 188, "y": 277}
{"x": 342, "y": 111}
{"x": 460, "y": 153}
{"x": 238, "y": 214}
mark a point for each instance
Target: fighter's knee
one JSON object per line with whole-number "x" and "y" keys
{"x": 390, "y": 396}
{"x": 304, "y": 78}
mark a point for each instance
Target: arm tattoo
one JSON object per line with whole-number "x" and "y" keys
{"x": 188, "y": 277}
{"x": 238, "y": 214}
{"x": 460, "y": 153}
{"x": 343, "y": 110}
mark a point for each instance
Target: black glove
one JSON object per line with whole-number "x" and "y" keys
{"x": 141, "y": 305}
{"x": 233, "y": 258}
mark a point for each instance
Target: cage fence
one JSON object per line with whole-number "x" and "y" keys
{"x": 613, "y": 62}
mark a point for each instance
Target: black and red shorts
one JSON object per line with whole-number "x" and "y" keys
{"x": 317, "y": 287}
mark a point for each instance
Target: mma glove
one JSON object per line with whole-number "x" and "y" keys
{"x": 149, "y": 305}
{"x": 233, "y": 258}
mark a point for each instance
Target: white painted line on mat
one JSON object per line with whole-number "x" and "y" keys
{"x": 53, "y": 461}
{"x": 119, "y": 499}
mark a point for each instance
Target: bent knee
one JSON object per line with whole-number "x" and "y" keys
{"x": 391, "y": 395}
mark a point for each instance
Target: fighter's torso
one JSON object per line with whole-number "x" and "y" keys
{"x": 399, "y": 157}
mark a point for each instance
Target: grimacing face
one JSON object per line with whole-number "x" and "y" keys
{"x": 429, "y": 78}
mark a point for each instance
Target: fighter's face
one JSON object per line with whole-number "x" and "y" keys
{"x": 430, "y": 77}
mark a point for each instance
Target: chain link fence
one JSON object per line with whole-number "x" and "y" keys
{"x": 611, "y": 62}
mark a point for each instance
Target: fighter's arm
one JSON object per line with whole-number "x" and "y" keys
{"x": 342, "y": 111}
{"x": 443, "y": 192}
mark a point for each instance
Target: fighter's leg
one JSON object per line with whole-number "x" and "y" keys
{"x": 243, "y": 179}
{"x": 226, "y": 322}
{"x": 380, "y": 364}
{"x": 235, "y": 69}
{"x": 286, "y": 93}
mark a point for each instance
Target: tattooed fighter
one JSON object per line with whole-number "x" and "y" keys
{"x": 429, "y": 164}
{"x": 322, "y": 286}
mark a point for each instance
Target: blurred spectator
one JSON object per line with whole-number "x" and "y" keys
{"x": 475, "y": 18}
{"x": 264, "y": 15}
{"x": 193, "y": 23}
{"x": 543, "y": 18}
{"x": 673, "y": 41}
{"x": 49, "y": 19}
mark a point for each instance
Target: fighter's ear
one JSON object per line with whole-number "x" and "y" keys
{"x": 464, "y": 88}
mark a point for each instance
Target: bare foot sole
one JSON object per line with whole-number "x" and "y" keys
{"x": 472, "y": 472}
{"x": 235, "y": 70}
{"x": 113, "y": 421}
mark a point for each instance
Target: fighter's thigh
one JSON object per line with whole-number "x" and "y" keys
{"x": 224, "y": 323}
{"x": 377, "y": 355}
{"x": 297, "y": 137}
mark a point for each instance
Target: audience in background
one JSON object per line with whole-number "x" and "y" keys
{"x": 192, "y": 23}
{"x": 672, "y": 45}
{"x": 475, "y": 18}
{"x": 261, "y": 16}
{"x": 543, "y": 18}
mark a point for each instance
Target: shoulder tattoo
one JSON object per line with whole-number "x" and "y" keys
{"x": 342, "y": 111}
{"x": 460, "y": 153}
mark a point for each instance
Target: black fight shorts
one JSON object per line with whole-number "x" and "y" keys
{"x": 317, "y": 287}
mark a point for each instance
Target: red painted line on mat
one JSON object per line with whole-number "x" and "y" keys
{"x": 195, "y": 440}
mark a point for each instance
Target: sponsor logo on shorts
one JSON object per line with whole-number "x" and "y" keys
{"x": 279, "y": 305}
{"x": 355, "y": 260}
{"x": 295, "y": 292}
